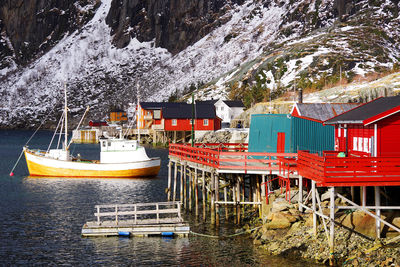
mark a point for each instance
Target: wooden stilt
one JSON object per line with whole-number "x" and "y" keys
{"x": 352, "y": 193}
{"x": 364, "y": 196}
{"x": 225, "y": 200}
{"x": 378, "y": 211}
{"x": 196, "y": 192}
{"x": 314, "y": 207}
{"x": 181, "y": 185}
{"x": 169, "y": 180}
{"x": 204, "y": 193}
{"x": 234, "y": 197}
{"x": 300, "y": 200}
{"x": 190, "y": 189}
{"x": 332, "y": 226}
{"x": 243, "y": 184}
{"x": 251, "y": 191}
{"x": 184, "y": 187}
{"x": 175, "y": 175}
{"x": 238, "y": 199}
{"x": 217, "y": 199}
{"x": 258, "y": 195}
{"x": 212, "y": 185}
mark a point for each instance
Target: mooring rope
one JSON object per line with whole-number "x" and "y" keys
{"x": 226, "y": 236}
{"x": 30, "y": 138}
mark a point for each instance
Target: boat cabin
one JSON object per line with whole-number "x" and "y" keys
{"x": 121, "y": 150}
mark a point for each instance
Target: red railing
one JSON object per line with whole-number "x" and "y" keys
{"x": 331, "y": 170}
{"x": 230, "y": 157}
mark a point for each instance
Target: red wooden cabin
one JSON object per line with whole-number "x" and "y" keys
{"x": 369, "y": 136}
{"x": 372, "y": 129}
{"x": 180, "y": 118}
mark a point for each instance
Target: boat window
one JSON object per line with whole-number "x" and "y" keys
{"x": 104, "y": 143}
{"x": 109, "y": 143}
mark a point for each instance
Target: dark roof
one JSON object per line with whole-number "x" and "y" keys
{"x": 206, "y": 101}
{"x": 367, "y": 110}
{"x": 117, "y": 110}
{"x": 159, "y": 105}
{"x": 323, "y": 111}
{"x": 234, "y": 103}
{"x": 184, "y": 111}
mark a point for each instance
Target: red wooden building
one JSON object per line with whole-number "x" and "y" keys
{"x": 372, "y": 129}
{"x": 179, "y": 118}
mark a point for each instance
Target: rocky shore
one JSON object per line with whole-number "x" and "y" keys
{"x": 287, "y": 232}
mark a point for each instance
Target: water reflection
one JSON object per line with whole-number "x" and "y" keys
{"x": 41, "y": 221}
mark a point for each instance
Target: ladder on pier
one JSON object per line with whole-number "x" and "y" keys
{"x": 140, "y": 219}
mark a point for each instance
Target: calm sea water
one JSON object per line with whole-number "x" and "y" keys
{"x": 41, "y": 219}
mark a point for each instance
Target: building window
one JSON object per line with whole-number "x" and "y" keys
{"x": 174, "y": 122}
{"x": 205, "y": 122}
{"x": 222, "y": 108}
{"x": 157, "y": 114}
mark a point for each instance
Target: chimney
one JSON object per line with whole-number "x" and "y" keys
{"x": 300, "y": 96}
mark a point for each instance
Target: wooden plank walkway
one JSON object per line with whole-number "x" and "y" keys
{"x": 228, "y": 158}
{"x": 141, "y": 219}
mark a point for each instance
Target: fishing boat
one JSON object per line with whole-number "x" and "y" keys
{"x": 119, "y": 158}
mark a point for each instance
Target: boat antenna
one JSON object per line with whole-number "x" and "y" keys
{"x": 66, "y": 116}
{"x": 138, "y": 112}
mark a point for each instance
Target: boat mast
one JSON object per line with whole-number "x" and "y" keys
{"x": 65, "y": 117}
{"x": 138, "y": 113}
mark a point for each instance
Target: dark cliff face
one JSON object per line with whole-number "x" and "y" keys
{"x": 31, "y": 26}
{"x": 173, "y": 24}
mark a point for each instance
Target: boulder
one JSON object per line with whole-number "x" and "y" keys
{"x": 280, "y": 204}
{"x": 360, "y": 222}
{"x": 278, "y": 221}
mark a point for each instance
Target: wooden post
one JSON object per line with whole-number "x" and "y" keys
{"x": 234, "y": 195}
{"x": 204, "y": 194}
{"x": 243, "y": 183}
{"x": 352, "y": 193}
{"x": 169, "y": 181}
{"x": 364, "y": 196}
{"x": 238, "y": 199}
{"x": 314, "y": 207}
{"x": 378, "y": 211}
{"x": 217, "y": 199}
{"x": 212, "y": 198}
{"x": 225, "y": 200}
{"x": 300, "y": 193}
{"x": 251, "y": 191}
{"x": 190, "y": 189}
{"x": 332, "y": 226}
{"x": 181, "y": 185}
{"x": 184, "y": 187}
{"x": 259, "y": 196}
{"x": 175, "y": 175}
{"x": 196, "y": 192}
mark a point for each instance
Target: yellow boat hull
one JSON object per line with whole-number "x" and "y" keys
{"x": 41, "y": 166}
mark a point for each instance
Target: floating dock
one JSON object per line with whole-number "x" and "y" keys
{"x": 141, "y": 219}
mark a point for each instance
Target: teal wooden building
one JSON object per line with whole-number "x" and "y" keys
{"x": 303, "y": 129}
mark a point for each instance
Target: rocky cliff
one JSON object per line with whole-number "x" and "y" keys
{"x": 104, "y": 50}
{"x": 172, "y": 24}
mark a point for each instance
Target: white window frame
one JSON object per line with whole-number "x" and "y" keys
{"x": 205, "y": 122}
{"x": 174, "y": 122}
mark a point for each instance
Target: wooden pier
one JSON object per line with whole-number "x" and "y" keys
{"x": 220, "y": 176}
{"x": 141, "y": 219}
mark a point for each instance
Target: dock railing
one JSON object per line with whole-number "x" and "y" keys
{"x": 229, "y": 157}
{"x": 331, "y": 170}
{"x": 140, "y": 213}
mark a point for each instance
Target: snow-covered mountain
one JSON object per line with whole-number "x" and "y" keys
{"x": 231, "y": 49}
